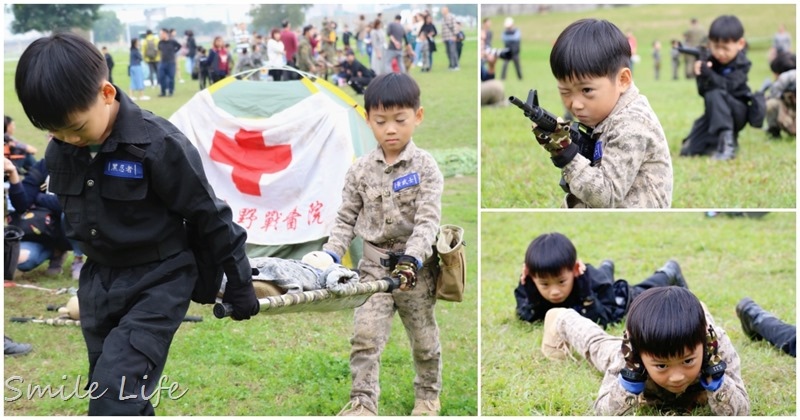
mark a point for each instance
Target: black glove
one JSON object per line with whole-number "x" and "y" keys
{"x": 713, "y": 365}
{"x": 244, "y": 301}
{"x": 633, "y": 375}
{"x": 406, "y": 270}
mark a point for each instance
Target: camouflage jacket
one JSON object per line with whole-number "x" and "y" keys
{"x": 636, "y": 170}
{"x": 730, "y": 399}
{"x": 391, "y": 204}
{"x": 304, "y": 56}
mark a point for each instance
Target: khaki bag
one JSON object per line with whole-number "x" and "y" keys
{"x": 452, "y": 265}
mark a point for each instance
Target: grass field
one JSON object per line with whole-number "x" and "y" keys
{"x": 723, "y": 259}
{"x": 516, "y": 173}
{"x": 296, "y": 364}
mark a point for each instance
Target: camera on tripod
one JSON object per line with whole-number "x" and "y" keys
{"x": 501, "y": 53}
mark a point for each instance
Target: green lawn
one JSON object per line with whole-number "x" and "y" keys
{"x": 723, "y": 259}
{"x": 516, "y": 172}
{"x": 295, "y": 364}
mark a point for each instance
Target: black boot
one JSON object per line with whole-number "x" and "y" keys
{"x": 726, "y": 146}
{"x": 750, "y": 315}
{"x": 607, "y": 266}
{"x": 673, "y": 272}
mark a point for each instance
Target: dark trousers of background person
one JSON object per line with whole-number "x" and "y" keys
{"x": 452, "y": 53}
{"x": 153, "y": 66}
{"x": 166, "y": 77}
{"x": 129, "y": 316}
{"x": 277, "y": 75}
{"x": 675, "y": 65}
{"x": 722, "y": 112}
{"x": 359, "y": 83}
{"x": 515, "y": 58}
{"x": 204, "y": 78}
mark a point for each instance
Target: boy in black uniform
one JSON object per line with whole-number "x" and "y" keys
{"x": 554, "y": 277}
{"x": 722, "y": 82}
{"x": 128, "y": 182}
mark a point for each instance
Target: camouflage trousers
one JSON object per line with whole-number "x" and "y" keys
{"x": 372, "y": 327}
{"x": 781, "y": 116}
{"x": 599, "y": 348}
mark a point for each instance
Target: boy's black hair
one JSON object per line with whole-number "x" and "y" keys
{"x": 726, "y": 28}
{"x": 589, "y": 48}
{"x": 307, "y": 28}
{"x": 665, "y": 321}
{"x": 392, "y": 90}
{"x": 549, "y": 254}
{"x": 59, "y": 75}
{"x": 785, "y": 61}
{"x": 6, "y": 122}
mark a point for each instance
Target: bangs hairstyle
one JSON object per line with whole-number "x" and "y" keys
{"x": 549, "y": 254}
{"x": 589, "y": 48}
{"x": 726, "y": 28}
{"x": 56, "y": 76}
{"x": 392, "y": 90}
{"x": 666, "y": 321}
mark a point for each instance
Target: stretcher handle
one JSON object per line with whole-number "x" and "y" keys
{"x": 224, "y": 310}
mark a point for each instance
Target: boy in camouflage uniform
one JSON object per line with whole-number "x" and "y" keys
{"x": 392, "y": 199}
{"x": 671, "y": 356}
{"x": 590, "y": 60}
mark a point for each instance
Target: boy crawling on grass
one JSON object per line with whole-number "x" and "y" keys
{"x": 671, "y": 356}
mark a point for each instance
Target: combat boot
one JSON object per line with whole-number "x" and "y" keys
{"x": 607, "y": 266}
{"x": 673, "y": 272}
{"x": 553, "y": 346}
{"x": 12, "y": 348}
{"x": 726, "y": 146}
{"x": 426, "y": 408}
{"x": 750, "y": 315}
{"x": 355, "y": 408}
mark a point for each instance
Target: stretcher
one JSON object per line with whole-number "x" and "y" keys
{"x": 320, "y": 300}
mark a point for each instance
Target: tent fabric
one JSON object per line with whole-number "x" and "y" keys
{"x": 277, "y": 152}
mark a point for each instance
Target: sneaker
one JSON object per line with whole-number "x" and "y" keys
{"x": 56, "y": 264}
{"x": 77, "y": 265}
{"x": 673, "y": 271}
{"x": 426, "y": 408}
{"x": 144, "y": 98}
{"x": 10, "y": 348}
{"x": 553, "y": 346}
{"x": 354, "y": 408}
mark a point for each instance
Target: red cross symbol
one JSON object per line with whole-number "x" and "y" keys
{"x": 250, "y": 158}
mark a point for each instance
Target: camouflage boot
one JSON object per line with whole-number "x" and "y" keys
{"x": 553, "y": 345}
{"x": 354, "y": 408}
{"x": 426, "y": 408}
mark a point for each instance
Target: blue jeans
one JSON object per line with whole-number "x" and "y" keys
{"x": 418, "y": 51}
{"x": 37, "y": 254}
{"x": 166, "y": 77}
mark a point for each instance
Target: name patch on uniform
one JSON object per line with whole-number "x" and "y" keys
{"x": 124, "y": 169}
{"x": 405, "y": 181}
{"x": 598, "y": 150}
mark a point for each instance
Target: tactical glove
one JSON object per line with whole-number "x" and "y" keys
{"x": 556, "y": 141}
{"x": 406, "y": 270}
{"x": 633, "y": 375}
{"x": 713, "y": 365}
{"x": 244, "y": 300}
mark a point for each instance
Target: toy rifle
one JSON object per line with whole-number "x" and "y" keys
{"x": 700, "y": 53}
{"x": 579, "y": 134}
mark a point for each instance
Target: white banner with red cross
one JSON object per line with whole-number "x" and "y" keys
{"x": 282, "y": 175}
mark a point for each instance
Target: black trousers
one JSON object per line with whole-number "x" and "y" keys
{"x": 129, "y": 317}
{"x": 779, "y": 334}
{"x": 657, "y": 279}
{"x": 722, "y": 112}
{"x": 359, "y": 83}
{"x": 515, "y": 58}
